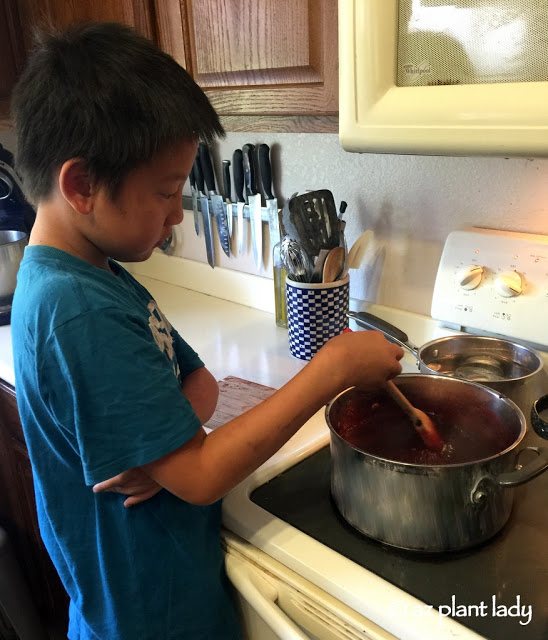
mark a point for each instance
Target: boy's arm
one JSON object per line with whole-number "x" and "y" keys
{"x": 208, "y": 466}
{"x": 202, "y": 391}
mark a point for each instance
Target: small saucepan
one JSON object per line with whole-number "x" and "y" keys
{"x": 507, "y": 367}
{"x": 387, "y": 485}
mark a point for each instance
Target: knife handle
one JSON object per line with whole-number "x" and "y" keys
{"x": 207, "y": 167}
{"x": 226, "y": 179}
{"x": 198, "y": 175}
{"x": 192, "y": 178}
{"x": 265, "y": 170}
{"x": 238, "y": 171}
{"x": 249, "y": 168}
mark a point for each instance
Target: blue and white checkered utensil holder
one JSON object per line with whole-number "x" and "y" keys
{"x": 315, "y": 313}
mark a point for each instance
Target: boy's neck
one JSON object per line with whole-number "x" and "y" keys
{"x": 51, "y": 229}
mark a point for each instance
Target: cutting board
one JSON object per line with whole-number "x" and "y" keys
{"x": 236, "y": 396}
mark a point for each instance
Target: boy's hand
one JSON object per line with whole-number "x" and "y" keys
{"x": 134, "y": 483}
{"x": 364, "y": 359}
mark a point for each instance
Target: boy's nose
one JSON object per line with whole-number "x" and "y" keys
{"x": 176, "y": 216}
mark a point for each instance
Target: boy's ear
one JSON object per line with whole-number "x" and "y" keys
{"x": 76, "y": 185}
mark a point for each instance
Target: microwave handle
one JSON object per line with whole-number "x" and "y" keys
{"x": 262, "y": 596}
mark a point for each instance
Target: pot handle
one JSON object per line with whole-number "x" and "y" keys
{"x": 539, "y": 425}
{"x": 527, "y": 472}
{"x": 369, "y": 321}
{"x": 514, "y": 478}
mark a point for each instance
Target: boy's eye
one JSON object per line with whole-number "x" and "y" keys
{"x": 167, "y": 196}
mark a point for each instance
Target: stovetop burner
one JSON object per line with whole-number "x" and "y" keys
{"x": 497, "y": 589}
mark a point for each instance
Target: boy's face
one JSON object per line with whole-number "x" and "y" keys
{"x": 147, "y": 206}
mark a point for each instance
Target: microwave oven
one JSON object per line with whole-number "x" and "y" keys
{"x": 444, "y": 77}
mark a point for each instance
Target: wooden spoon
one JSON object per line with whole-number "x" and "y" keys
{"x": 422, "y": 423}
{"x": 334, "y": 264}
{"x": 357, "y": 251}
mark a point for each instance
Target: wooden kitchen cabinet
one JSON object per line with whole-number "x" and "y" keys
{"x": 18, "y": 518}
{"x": 266, "y": 65}
{"x": 18, "y": 18}
{"x": 12, "y": 54}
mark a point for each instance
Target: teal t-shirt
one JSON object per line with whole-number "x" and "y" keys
{"x": 98, "y": 372}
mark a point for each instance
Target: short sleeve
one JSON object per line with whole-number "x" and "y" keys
{"x": 188, "y": 359}
{"x": 117, "y": 391}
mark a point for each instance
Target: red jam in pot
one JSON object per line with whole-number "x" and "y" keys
{"x": 374, "y": 424}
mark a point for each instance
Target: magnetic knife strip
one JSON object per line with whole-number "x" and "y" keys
{"x": 187, "y": 205}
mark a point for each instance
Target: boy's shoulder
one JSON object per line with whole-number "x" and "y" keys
{"x": 55, "y": 285}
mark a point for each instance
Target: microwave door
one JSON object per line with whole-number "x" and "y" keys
{"x": 444, "y": 77}
{"x": 463, "y": 42}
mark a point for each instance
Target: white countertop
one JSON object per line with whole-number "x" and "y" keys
{"x": 6, "y": 356}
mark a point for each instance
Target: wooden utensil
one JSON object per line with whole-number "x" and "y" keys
{"x": 357, "y": 251}
{"x": 422, "y": 423}
{"x": 333, "y": 265}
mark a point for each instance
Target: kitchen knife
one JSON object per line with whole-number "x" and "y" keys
{"x": 216, "y": 199}
{"x": 271, "y": 202}
{"x": 238, "y": 171}
{"x": 279, "y": 273}
{"x": 204, "y": 204}
{"x": 254, "y": 201}
{"x": 194, "y": 189}
{"x": 227, "y": 190}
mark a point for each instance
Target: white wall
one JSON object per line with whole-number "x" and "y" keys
{"x": 410, "y": 202}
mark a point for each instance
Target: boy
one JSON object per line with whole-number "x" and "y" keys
{"x": 112, "y": 400}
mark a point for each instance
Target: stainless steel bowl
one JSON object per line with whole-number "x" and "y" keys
{"x": 12, "y": 247}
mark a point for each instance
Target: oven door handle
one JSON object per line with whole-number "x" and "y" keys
{"x": 262, "y": 596}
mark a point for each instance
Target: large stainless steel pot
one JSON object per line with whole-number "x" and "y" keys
{"x": 12, "y": 247}
{"x": 440, "y": 507}
{"x": 510, "y": 368}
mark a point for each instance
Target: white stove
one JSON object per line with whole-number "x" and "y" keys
{"x": 299, "y": 568}
{"x": 495, "y": 282}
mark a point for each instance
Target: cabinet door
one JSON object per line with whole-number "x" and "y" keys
{"x": 12, "y": 54}
{"x": 17, "y": 20}
{"x": 60, "y": 13}
{"x": 259, "y": 60}
{"x": 18, "y": 518}
{"x": 266, "y": 65}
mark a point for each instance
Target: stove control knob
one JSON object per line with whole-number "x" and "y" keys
{"x": 508, "y": 284}
{"x": 470, "y": 277}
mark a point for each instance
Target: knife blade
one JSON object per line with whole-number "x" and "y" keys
{"x": 279, "y": 273}
{"x": 238, "y": 171}
{"x": 227, "y": 190}
{"x": 194, "y": 190}
{"x": 265, "y": 170}
{"x": 204, "y": 204}
{"x": 254, "y": 201}
{"x": 216, "y": 199}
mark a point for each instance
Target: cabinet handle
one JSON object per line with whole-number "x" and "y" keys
{"x": 262, "y": 596}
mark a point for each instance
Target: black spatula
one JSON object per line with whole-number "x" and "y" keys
{"x": 314, "y": 216}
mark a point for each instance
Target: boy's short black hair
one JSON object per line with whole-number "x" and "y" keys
{"x": 102, "y": 92}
